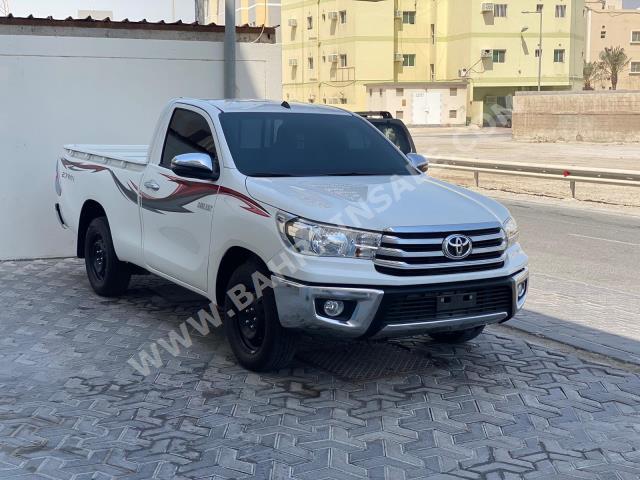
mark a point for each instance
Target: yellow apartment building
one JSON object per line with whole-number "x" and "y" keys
{"x": 608, "y": 25}
{"x": 248, "y": 12}
{"x": 346, "y": 51}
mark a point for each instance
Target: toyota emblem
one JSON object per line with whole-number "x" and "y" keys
{"x": 456, "y": 246}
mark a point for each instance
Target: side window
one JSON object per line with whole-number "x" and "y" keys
{"x": 188, "y": 132}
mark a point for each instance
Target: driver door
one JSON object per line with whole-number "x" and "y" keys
{"x": 177, "y": 211}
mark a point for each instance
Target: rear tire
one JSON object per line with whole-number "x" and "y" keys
{"x": 459, "y": 336}
{"x": 254, "y": 333}
{"x": 107, "y": 275}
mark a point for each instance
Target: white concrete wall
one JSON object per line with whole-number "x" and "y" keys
{"x": 59, "y": 90}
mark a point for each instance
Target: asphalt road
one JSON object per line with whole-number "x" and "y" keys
{"x": 585, "y": 278}
{"x": 599, "y": 249}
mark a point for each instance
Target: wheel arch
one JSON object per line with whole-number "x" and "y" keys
{"x": 232, "y": 259}
{"x": 90, "y": 210}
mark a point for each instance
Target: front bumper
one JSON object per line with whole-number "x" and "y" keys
{"x": 370, "y": 315}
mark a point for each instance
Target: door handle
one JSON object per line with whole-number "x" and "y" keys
{"x": 152, "y": 185}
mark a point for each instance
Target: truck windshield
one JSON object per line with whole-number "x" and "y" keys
{"x": 309, "y": 145}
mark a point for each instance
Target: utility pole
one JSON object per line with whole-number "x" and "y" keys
{"x": 539, "y": 12}
{"x": 230, "y": 49}
{"x": 201, "y": 11}
{"x": 4, "y": 7}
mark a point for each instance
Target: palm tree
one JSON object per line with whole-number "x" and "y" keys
{"x": 590, "y": 73}
{"x": 612, "y": 62}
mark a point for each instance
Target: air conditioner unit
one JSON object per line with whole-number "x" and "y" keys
{"x": 398, "y": 14}
{"x": 486, "y": 7}
{"x": 293, "y": 62}
{"x": 292, "y": 22}
{"x": 398, "y": 57}
{"x": 463, "y": 72}
{"x": 333, "y": 58}
{"x": 486, "y": 53}
{"x": 333, "y": 15}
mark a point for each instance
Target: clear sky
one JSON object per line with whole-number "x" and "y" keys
{"x": 152, "y": 10}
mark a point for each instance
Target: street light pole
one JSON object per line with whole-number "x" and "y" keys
{"x": 539, "y": 12}
{"x": 540, "y": 54}
{"x": 230, "y": 49}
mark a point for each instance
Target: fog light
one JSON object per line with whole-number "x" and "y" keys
{"x": 333, "y": 308}
{"x": 522, "y": 289}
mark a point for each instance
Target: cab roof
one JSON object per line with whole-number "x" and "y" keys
{"x": 235, "y": 105}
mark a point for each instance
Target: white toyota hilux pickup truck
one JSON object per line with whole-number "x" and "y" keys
{"x": 292, "y": 218}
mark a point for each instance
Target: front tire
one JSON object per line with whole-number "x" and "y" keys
{"x": 108, "y": 276}
{"x": 254, "y": 332}
{"x": 459, "y": 336}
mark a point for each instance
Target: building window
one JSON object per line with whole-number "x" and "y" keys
{"x": 453, "y": 92}
{"x": 310, "y": 63}
{"x": 399, "y": 92}
{"x": 343, "y": 60}
{"x": 380, "y": 91}
{"x": 404, "y": 102}
{"x": 635, "y": 36}
{"x": 432, "y": 72}
{"x": 370, "y": 92}
{"x": 537, "y": 54}
{"x": 324, "y": 58}
{"x": 558, "y": 55}
{"x": 399, "y": 114}
{"x": 500, "y": 10}
{"x": 324, "y": 17}
{"x": 343, "y": 100}
{"x": 409, "y": 17}
{"x": 453, "y": 114}
{"x": 539, "y": 7}
{"x": 433, "y": 34}
{"x": 309, "y": 23}
{"x": 561, "y": 11}
{"x": 343, "y": 16}
{"x": 635, "y": 67}
{"x": 499, "y": 56}
{"x": 409, "y": 60}
{"x": 603, "y": 34}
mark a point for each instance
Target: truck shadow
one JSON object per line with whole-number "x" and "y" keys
{"x": 361, "y": 360}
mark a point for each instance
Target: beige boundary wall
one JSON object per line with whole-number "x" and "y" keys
{"x": 612, "y": 116}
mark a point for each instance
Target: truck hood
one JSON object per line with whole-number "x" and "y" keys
{"x": 376, "y": 202}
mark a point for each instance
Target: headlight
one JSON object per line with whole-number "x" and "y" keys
{"x": 511, "y": 231}
{"x": 327, "y": 241}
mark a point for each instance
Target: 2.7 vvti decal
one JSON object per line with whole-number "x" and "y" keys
{"x": 185, "y": 193}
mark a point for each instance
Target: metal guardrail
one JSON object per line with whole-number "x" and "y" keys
{"x": 627, "y": 178}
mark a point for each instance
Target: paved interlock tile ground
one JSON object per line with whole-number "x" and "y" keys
{"x": 71, "y": 407}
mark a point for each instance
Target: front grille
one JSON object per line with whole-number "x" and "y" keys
{"x": 414, "y": 252}
{"x": 423, "y": 306}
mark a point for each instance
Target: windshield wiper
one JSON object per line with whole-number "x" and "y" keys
{"x": 351, "y": 174}
{"x": 271, "y": 174}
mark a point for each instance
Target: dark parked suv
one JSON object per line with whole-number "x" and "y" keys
{"x": 394, "y": 129}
